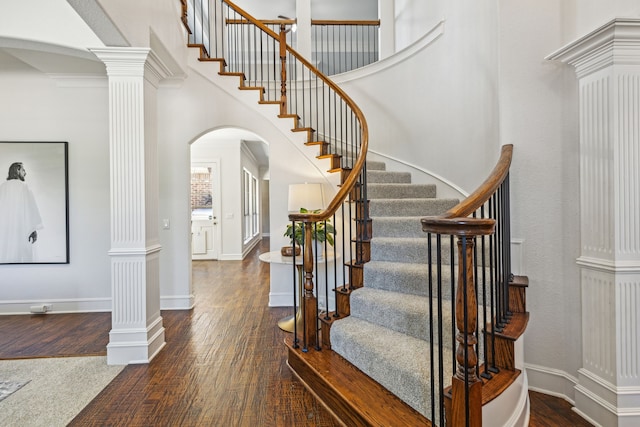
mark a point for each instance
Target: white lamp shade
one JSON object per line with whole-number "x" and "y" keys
{"x": 308, "y": 196}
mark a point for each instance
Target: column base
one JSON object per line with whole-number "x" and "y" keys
{"x": 602, "y": 403}
{"x": 132, "y": 346}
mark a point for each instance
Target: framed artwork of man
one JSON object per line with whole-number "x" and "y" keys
{"x": 34, "y": 203}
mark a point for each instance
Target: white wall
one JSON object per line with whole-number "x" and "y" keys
{"x": 439, "y": 107}
{"x": 540, "y": 119}
{"x": 34, "y": 108}
{"x": 413, "y": 18}
{"x": 582, "y": 17}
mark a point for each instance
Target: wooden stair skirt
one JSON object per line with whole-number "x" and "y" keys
{"x": 352, "y": 397}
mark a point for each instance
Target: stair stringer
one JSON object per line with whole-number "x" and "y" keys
{"x": 251, "y": 99}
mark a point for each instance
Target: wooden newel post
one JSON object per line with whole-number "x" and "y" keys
{"x": 467, "y": 341}
{"x": 309, "y": 299}
{"x": 283, "y": 69}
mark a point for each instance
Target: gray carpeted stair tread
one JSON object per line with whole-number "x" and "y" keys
{"x": 406, "y": 278}
{"x": 377, "y": 166}
{"x": 410, "y": 207}
{"x": 389, "y": 357}
{"x": 403, "y": 250}
{"x": 376, "y": 176}
{"x": 400, "y": 191}
{"x": 395, "y": 311}
{"x": 398, "y": 226}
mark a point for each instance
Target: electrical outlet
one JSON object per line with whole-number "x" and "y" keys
{"x": 47, "y": 307}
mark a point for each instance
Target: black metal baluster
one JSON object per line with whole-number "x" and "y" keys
{"x": 452, "y": 267}
{"x": 431, "y": 323}
{"x": 295, "y": 286}
{"x": 483, "y": 269}
{"x": 440, "y": 330}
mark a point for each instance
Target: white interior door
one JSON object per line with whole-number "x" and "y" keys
{"x": 205, "y": 210}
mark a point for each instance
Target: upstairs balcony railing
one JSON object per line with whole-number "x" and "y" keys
{"x": 341, "y": 46}
{"x": 337, "y": 46}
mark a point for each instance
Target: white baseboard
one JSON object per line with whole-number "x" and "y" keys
{"x": 177, "y": 302}
{"x": 76, "y": 305}
{"x": 88, "y": 305}
{"x": 280, "y": 299}
{"x": 553, "y": 382}
{"x": 230, "y": 257}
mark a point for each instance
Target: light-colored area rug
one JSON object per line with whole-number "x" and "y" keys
{"x": 56, "y": 389}
{"x": 9, "y": 387}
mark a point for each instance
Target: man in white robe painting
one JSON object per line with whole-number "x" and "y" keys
{"x": 19, "y": 218}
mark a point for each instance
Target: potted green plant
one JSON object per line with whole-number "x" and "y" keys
{"x": 322, "y": 231}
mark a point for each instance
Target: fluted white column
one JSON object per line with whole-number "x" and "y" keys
{"x": 137, "y": 332}
{"x": 607, "y": 63}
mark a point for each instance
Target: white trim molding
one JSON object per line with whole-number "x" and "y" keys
{"x": 177, "y": 302}
{"x": 58, "y": 305}
{"x": 553, "y": 382}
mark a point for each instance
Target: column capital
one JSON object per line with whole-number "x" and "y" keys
{"x": 123, "y": 61}
{"x": 615, "y": 43}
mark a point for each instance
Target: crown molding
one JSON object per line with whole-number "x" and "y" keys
{"x": 615, "y": 43}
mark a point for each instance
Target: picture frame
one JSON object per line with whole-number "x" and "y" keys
{"x": 34, "y": 202}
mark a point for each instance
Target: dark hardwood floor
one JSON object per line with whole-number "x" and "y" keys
{"x": 224, "y": 363}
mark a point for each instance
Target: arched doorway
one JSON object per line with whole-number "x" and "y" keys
{"x": 229, "y": 193}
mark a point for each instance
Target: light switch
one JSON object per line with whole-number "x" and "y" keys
{"x": 166, "y": 223}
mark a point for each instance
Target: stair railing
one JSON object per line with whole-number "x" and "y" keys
{"x": 248, "y": 48}
{"x": 479, "y": 291}
{"x": 340, "y": 46}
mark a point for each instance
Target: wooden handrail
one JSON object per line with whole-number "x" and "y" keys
{"x": 350, "y": 182}
{"x": 345, "y": 22}
{"x": 249, "y": 18}
{"x": 313, "y": 22}
{"x": 264, "y": 21}
{"x": 184, "y": 14}
{"x": 453, "y": 216}
{"x": 486, "y": 189}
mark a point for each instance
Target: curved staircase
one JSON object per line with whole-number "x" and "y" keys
{"x": 381, "y": 341}
{"x": 408, "y": 344}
